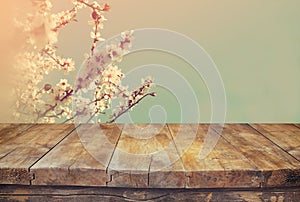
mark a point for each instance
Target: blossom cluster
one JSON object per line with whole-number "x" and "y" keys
{"x": 101, "y": 73}
{"x": 38, "y": 100}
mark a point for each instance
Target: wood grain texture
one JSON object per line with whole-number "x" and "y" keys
{"x": 90, "y": 194}
{"x": 80, "y": 159}
{"x": 277, "y": 166}
{"x": 223, "y": 167}
{"x": 150, "y": 156}
{"x": 4, "y": 125}
{"x": 146, "y": 156}
{"x": 24, "y": 147}
{"x": 287, "y": 136}
{"x": 10, "y": 131}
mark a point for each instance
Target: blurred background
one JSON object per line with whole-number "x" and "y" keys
{"x": 254, "y": 44}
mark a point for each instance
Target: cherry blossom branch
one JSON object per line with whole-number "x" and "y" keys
{"x": 52, "y": 107}
{"x": 55, "y": 115}
{"x": 94, "y": 6}
{"x": 130, "y": 106}
{"x": 95, "y": 40}
{"x": 68, "y": 94}
{"x": 97, "y": 17}
{"x": 73, "y": 117}
{"x": 40, "y": 58}
{"x": 65, "y": 21}
{"x": 83, "y": 111}
{"x": 55, "y": 59}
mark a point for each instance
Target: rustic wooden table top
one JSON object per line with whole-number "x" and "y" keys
{"x": 150, "y": 156}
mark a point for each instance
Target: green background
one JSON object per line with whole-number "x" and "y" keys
{"x": 255, "y": 45}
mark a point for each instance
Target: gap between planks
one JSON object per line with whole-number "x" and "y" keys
{"x": 255, "y": 127}
{"x": 32, "y": 141}
{"x": 140, "y": 151}
{"x": 33, "y": 175}
{"x": 80, "y": 159}
{"x": 297, "y": 125}
{"x": 110, "y": 159}
{"x": 278, "y": 168}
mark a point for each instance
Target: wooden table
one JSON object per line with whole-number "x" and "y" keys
{"x": 250, "y": 162}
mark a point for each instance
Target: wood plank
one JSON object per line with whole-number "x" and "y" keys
{"x": 9, "y": 131}
{"x": 4, "y": 125}
{"x": 223, "y": 167}
{"x": 149, "y": 156}
{"x": 21, "y": 151}
{"x": 277, "y": 166}
{"x": 287, "y": 136}
{"x": 80, "y": 159}
{"x": 166, "y": 167}
{"x": 297, "y": 125}
{"x": 278, "y": 127}
{"x": 90, "y": 194}
{"x": 146, "y": 156}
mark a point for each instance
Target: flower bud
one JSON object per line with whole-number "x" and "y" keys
{"x": 106, "y": 7}
{"x": 95, "y": 15}
{"x": 47, "y": 87}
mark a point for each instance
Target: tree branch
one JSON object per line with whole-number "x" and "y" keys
{"x": 130, "y": 106}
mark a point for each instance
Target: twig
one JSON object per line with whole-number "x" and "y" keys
{"x": 68, "y": 94}
{"x": 129, "y": 107}
{"x": 52, "y": 107}
{"x": 53, "y": 58}
{"x": 64, "y": 23}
